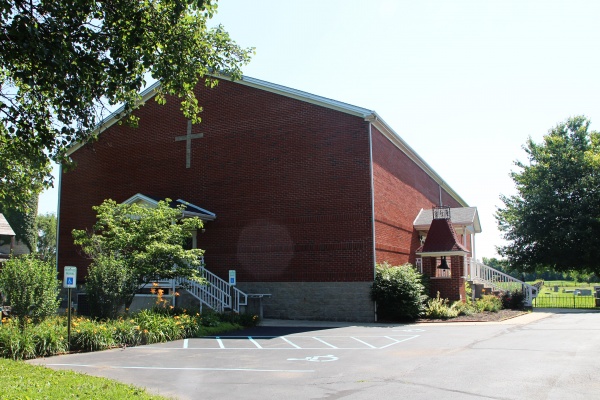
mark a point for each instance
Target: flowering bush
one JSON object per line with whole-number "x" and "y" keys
{"x": 50, "y": 336}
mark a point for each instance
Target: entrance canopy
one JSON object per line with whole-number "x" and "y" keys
{"x": 189, "y": 211}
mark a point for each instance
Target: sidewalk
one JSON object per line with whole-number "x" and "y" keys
{"x": 536, "y": 315}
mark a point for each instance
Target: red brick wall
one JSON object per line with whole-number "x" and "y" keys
{"x": 288, "y": 181}
{"x": 452, "y": 288}
{"x": 401, "y": 190}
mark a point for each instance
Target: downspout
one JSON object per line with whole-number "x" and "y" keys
{"x": 60, "y": 170}
{"x": 372, "y": 202}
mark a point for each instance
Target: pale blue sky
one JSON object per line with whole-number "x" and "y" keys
{"x": 463, "y": 82}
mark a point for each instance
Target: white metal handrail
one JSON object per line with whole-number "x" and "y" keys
{"x": 216, "y": 293}
{"x": 481, "y": 273}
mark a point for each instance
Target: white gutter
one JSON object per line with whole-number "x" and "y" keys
{"x": 389, "y": 133}
{"x": 367, "y": 114}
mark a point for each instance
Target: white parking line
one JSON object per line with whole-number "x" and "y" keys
{"x": 287, "y": 341}
{"x": 293, "y": 342}
{"x": 363, "y": 342}
{"x": 183, "y": 368}
{"x": 254, "y": 342}
{"x": 324, "y": 342}
{"x": 398, "y": 341}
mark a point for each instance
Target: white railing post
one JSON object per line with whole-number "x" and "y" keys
{"x": 500, "y": 281}
{"x": 217, "y": 294}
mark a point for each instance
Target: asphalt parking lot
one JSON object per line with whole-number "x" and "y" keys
{"x": 543, "y": 355}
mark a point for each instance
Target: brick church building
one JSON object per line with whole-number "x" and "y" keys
{"x": 301, "y": 195}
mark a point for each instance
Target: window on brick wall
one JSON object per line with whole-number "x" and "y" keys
{"x": 443, "y": 272}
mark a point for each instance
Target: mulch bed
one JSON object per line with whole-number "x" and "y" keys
{"x": 485, "y": 316}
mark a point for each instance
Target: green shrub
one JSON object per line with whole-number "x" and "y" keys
{"x": 399, "y": 292}
{"x": 464, "y": 308}
{"x": 514, "y": 300}
{"x": 489, "y": 302}
{"x": 109, "y": 285}
{"x": 30, "y": 287}
{"x": 439, "y": 308}
{"x": 247, "y": 320}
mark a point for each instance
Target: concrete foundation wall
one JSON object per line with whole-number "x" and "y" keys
{"x": 331, "y": 301}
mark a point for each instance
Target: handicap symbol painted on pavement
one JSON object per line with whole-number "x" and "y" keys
{"x": 316, "y": 358}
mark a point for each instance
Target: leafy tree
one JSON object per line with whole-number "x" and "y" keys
{"x": 399, "y": 292}
{"x": 553, "y": 222}
{"x": 65, "y": 63}
{"x": 30, "y": 286}
{"x": 46, "y": 241}
{"x": 139, "y": 245}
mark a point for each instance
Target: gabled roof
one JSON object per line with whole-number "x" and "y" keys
{"x": 368, "y": 115}
{"x": 5, "y": 229}
{"x": 190, "y": 209}
{"x": 460, "y": 216}
{"x": 441, "y": 239}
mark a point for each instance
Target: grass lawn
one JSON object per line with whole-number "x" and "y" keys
{"x": 24, "y": 381}
{"x": 565, "y": 296}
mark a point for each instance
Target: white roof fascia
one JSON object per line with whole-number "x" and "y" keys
{"x": 393, "y": 137}
{"x": 202, "y": 210}
{"x": 139, "y": 196}
{"x": 442, "y": 253}
{"x": 368, "y": 115}
{"x": 305, "y": 96}
{"x": 150, "y": 92}
{"x": 115, "y": 116}
{"x": 203, "y": 217}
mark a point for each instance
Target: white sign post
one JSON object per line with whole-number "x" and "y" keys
{"x": 69, "y": 282}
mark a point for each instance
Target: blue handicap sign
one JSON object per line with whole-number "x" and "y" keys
{"x": 70, "y": 280}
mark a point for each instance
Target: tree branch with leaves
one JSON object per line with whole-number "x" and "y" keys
{"x": 65, "y": 64}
